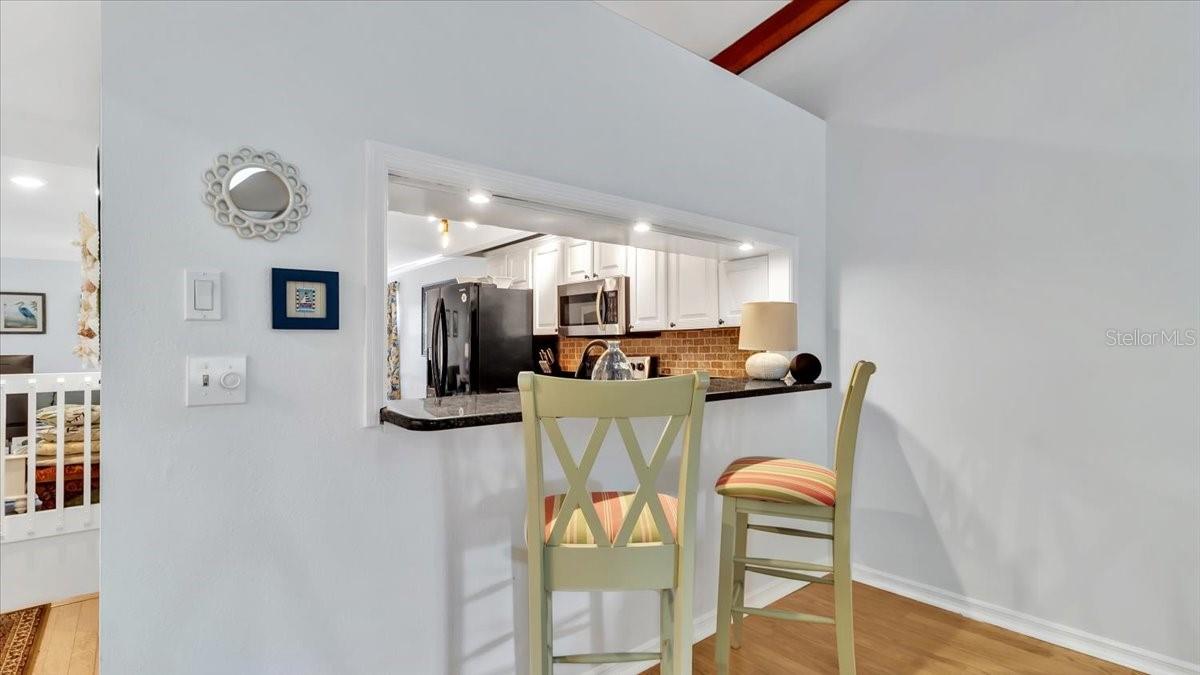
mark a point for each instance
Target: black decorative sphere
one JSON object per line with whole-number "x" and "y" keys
{"x": 806, "y": 368}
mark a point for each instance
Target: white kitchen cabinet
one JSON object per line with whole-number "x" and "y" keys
{"x": 692, "y": 298}
{"x": 577, "y": 260}
{"x": 497, "y": 263}
{"x": 648, "y": 289}
{"x": 609, "y": 260}
{"x": 744, "y": 280}
{"x": 518, "y": 265}
{"x": 512, "y": 262}
{"x": 546, "y": 269}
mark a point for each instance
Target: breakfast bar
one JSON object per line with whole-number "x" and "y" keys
{"x": 472, "y": 485}
{"x": 476, "y": 410}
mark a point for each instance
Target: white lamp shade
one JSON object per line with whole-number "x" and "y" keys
{"x": 768, "y": 326}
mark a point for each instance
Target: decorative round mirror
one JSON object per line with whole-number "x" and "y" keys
{"x": 256, "y": 193}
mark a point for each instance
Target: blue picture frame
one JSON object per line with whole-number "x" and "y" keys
{"x": 280, "y": 277}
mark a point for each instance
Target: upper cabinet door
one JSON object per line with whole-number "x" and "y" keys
{"x": 518, "y": 265}
{"x": 578, "y": 260}
{"x": 497, "y": 263}
{"x": 647, "y": 289}
{"x": 546, "y": 273}
{"x": 692, "y": 292}
{"x": 609, "y": 260}
{"x": 744, "y": 280}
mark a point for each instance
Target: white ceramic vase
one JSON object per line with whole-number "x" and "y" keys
{"x": 767, "y": 366}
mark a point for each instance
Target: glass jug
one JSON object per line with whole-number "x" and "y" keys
{"x": 612, "y": 364}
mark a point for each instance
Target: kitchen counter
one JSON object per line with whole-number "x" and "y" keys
{"x": 477, "y": 410}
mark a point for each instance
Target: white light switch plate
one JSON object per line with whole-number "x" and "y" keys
{"x": 216, "y": 380}
{"x": 202, "y": 295}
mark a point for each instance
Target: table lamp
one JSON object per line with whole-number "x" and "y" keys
{"x": 768, "y": 328}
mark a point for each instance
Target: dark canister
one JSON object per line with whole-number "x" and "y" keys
{"x": 805, "y": 368}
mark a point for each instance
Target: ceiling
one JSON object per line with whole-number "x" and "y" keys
{"x": 508, "y": 218}
{"x": 42, "y": 223}
{"x": 49, "y": 124}
{"x": 704, "y": 27}
{"x": 412, "y": 238}
{"x": 887, "y": 64}
{"x": 50, "y": 81}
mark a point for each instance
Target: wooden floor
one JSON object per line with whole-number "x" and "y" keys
{"x": 70, "y": 643}
{"x": 893, "y": 636}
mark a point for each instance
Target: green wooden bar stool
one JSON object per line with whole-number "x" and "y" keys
{"x": 787, "y": 487}
{"x": 612, "y": 541}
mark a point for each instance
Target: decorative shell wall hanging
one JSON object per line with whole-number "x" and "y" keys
{"x": 256, "y": 193}
{"x": 88, "y": 347}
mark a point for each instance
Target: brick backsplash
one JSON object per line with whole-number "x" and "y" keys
{"x": 713, "y": 350}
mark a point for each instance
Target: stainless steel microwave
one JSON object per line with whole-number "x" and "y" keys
{"x": 595, "y": 307}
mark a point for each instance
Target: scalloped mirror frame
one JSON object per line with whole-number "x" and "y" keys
{"x": 225, "y": 212}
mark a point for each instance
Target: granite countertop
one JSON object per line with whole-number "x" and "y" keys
{"x": 477, "y": 410}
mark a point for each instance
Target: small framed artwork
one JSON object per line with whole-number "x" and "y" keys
{"x": 22, "y": 312}
{"x": 304, "y": 299}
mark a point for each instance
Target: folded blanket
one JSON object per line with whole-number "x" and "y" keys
{"x": 68, "y": 460}
{"x": 71, "y": 434}
{"x": 72, "y": 415}
{"x": 50, "y": 448}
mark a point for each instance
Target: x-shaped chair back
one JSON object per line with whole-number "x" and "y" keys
{"x": 544, "y": 400}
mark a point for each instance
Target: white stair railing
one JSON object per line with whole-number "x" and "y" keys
{"x": 62, "y": 519}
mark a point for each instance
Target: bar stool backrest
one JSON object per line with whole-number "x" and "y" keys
{"x": 847, "y": 430}
{"x": 544, "y": 400}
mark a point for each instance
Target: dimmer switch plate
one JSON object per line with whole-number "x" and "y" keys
{"x": 202, "y": 295}
{"x": 216, "y": 380}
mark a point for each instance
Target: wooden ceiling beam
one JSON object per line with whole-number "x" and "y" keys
{"x": 791, "y": 20}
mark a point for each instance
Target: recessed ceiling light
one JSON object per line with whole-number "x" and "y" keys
{"x": 479, "y": 197}
{"x": 28, "y": 182}
{"x": 641, "y": 226}
{"x": 745, "y": 246}
{"x": 471, "y": 224}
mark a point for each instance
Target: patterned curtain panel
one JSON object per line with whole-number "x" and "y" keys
{"x": 88, "y": 348}
{"x": 393, "y": 341}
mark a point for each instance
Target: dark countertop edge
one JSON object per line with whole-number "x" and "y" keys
{"x": 444, "y": 423}
{"x": 770, "y": 391}
{"x": 389, "y": 416}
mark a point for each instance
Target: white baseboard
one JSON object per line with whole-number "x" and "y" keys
{"x": 1054, "y": 633}
{"x": 705, "y": 625}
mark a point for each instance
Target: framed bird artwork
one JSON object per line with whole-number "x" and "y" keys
{"x": 22, "y": 312}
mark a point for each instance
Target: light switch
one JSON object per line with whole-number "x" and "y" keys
{"x": 216, "y": 380}
{"x": 202, "y": 295}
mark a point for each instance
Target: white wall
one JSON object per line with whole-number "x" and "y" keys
{"x": 1000, "y": 196}
{"x": 278, "y": 535}
{"x": 48, "y": 569}
{"x": 60, "y": 282}
{"x": 412, "y": 362}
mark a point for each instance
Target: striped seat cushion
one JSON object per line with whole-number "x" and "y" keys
{"x": 776, "y": 479}
{"x": 611, "y": 507}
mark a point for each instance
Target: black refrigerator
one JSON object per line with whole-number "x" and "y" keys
{"x": 477, "y": 337}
